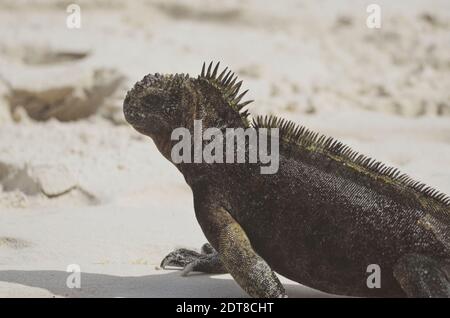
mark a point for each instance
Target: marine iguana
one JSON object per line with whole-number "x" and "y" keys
{"x": 327, "y": 214}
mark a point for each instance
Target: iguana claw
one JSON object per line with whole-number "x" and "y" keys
{"x": 179, "y": 258}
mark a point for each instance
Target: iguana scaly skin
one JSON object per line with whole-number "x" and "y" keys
{"x": 321, "y": 220}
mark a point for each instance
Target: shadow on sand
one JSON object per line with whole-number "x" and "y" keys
{"x": 159, "y": 285}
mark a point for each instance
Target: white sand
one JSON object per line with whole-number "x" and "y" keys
{"x": 95, "y": 193}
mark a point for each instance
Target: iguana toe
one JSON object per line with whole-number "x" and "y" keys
{"x": 188, "y": 268}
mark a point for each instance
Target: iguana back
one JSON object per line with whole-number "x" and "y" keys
{"x": 326, "y": 216}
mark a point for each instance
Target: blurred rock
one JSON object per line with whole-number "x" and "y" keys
{"x": 54, "y": 180}
{"x": 63, "y": 94}
{"x": 51, "y": 180}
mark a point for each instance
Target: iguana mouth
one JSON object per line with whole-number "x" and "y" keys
{"x": 138, "y": 119}
{"x": 131, "y": 115}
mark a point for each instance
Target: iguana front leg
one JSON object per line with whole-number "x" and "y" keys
{"x": 249, "y": 270}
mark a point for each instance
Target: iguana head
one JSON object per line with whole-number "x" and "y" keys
{"x": 154, "y": 105}
{"x": 158, "y": 104}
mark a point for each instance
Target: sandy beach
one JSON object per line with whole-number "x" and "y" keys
{"x": 79, "y": 186}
